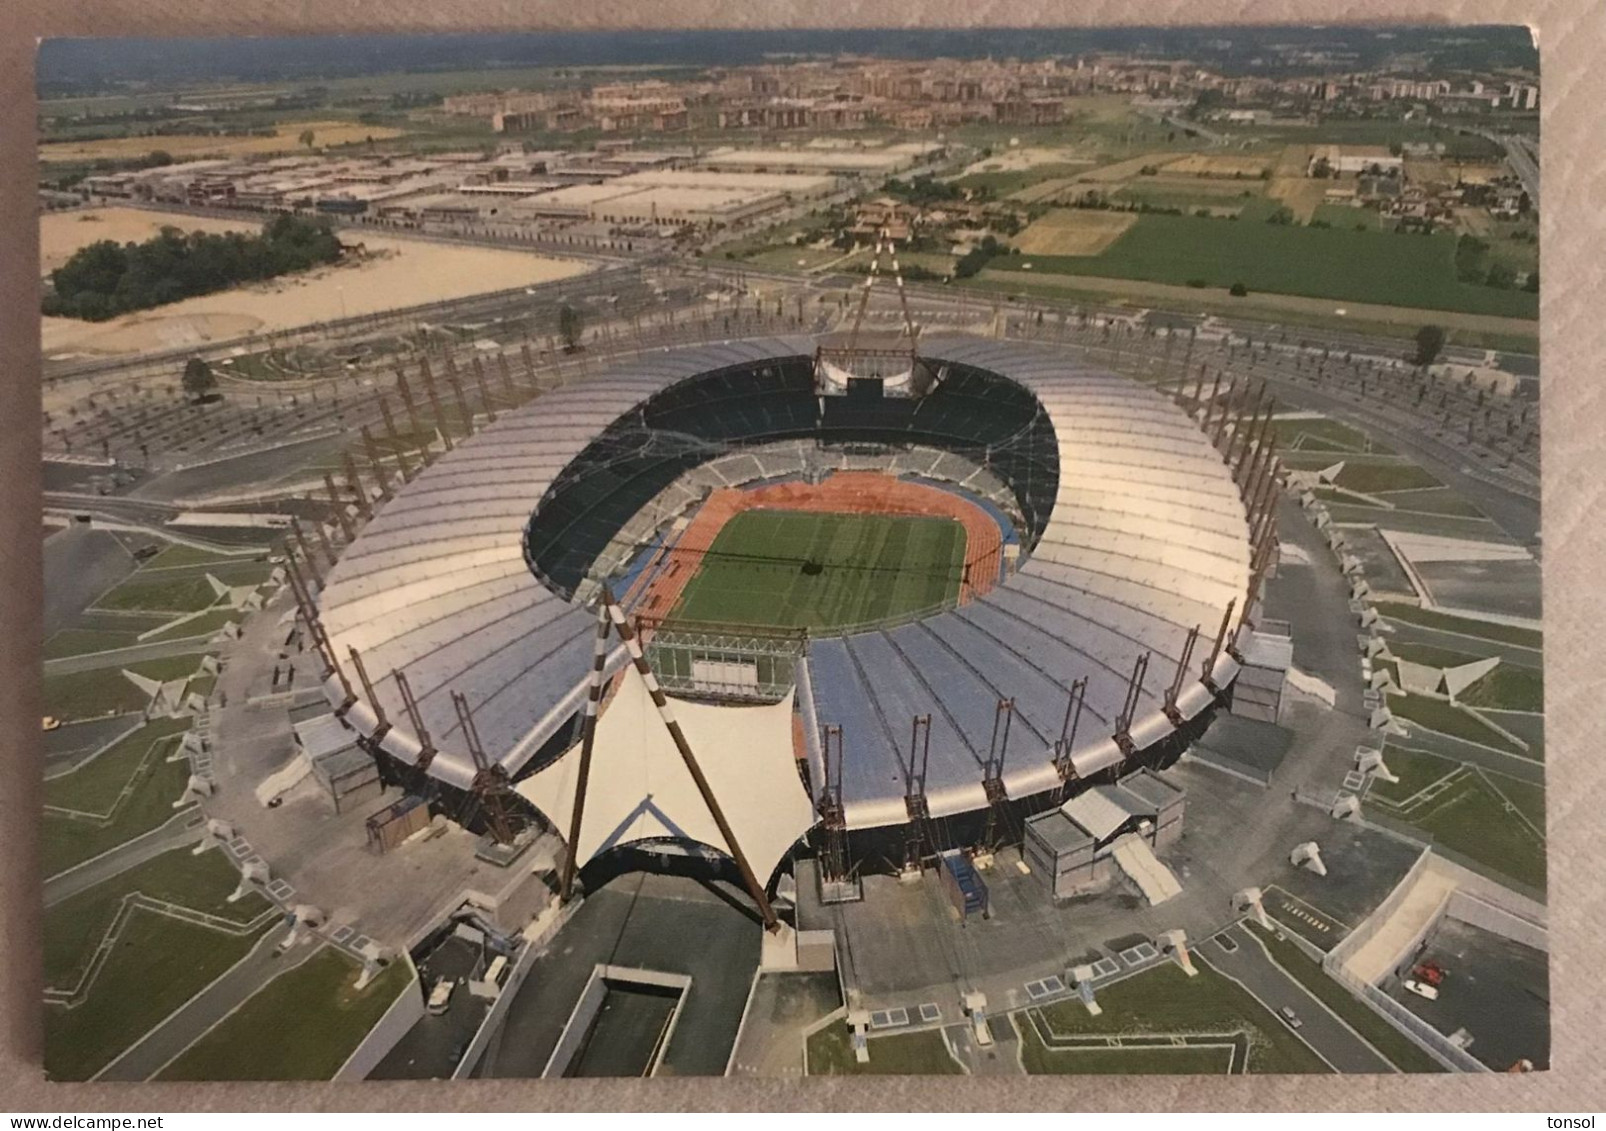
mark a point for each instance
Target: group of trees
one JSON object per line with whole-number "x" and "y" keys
{"x": 978, "y": 257}
{"x": 1472, "y": 265}
{"x": 106, "y": 279}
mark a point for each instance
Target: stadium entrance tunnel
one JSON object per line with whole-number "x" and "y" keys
{"x": 989, "y": 419}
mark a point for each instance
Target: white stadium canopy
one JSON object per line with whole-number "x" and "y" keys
{"x": 640, "y": 789}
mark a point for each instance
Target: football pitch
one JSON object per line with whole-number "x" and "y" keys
{"x": 797, "y": 569}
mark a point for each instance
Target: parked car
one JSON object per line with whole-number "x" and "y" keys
{"x": 1290, "y": 1017}
{"x": 1422, "y": 989}
{"x": 50, "y": 722}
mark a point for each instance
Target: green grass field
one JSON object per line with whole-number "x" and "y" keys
{"x": 152, "y": 782}
{"x": 1466, "y": 626}
{"x": 107, "y": 691}
{"x": 156, "y": 965}
{"x": 1291, "y": 259}
{"x": 83, "y": 641}
{"x": 899, "y": 1054}
{"x": 73, "y": 927}
{"x": 1439, "y": 715}
{"x": 872, "y": 568}
{"x": 1493, "y": 819}
{"x": 333, "y": 1018}
{"x": 1039, "y": 1059}
{"x": 1164, "y": 1000}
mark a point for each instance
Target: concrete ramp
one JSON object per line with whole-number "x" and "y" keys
{"x": 1134, "y": 857}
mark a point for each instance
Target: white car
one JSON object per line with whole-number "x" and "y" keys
{"x": 1422, "y": 989}
{"x": 50, "y": 722}
{"x": 1290, "y": 1017}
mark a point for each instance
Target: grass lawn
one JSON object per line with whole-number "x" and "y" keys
{"x": 1164, "y": 1000}
{"x": 83, "y": 641}
{"x": 1379, "y": 321}
{"x": 1467, "y": 626}
{"x": 207, "y": 624}
{"x": 179, "y": 593}
{"x": 1373, "y": 267}
{"x": 178, "y": 555}
{"x": 1430, "y": 654}
{"x": 65, "y": 841}
{"x": 303, "y": 1025}
{"x": 1323, "y": 435}
{"x": 158, "y": 964}
{"x": 1473, "y": 819}
{"x": 794, "y": 258}
{"x": 1439, "y": 715}
{"x": 1369, "y": 478}
{"x": 1508, "y": 688}
{"x": 1526, "y": 796}
{"x": 1149, "y": 1060}
{"x": 1433, "y": 500}
{"x": 95, "y": 785}
{"x": 872, "y": 567}
{"x": 1395, "y": 1046}
{"x": 73, "y": 927}
{"x": 1416, "y": 769}
{"x": 900, "y": 1054}
{"x": 107, "y": 691}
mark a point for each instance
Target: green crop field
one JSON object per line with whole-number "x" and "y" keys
{"x": 761, "y": 569}
{"x": 1291, "y": 259}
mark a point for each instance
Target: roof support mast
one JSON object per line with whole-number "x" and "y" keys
{"x": 755, "y": 889}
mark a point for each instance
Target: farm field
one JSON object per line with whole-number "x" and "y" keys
{"x": 285, "y": 139}
{"x": 869, "y": 568}
{"x": 1074, "y": 231}
{"x": 1377, "y": 267}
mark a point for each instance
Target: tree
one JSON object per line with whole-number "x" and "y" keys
{"x": 198, "y": 378}
{"x": 570, "y": 327}
{"x": 1238, "y": 290}
{"x": 1429, "y": 341}
{"x": 307, "y": 137}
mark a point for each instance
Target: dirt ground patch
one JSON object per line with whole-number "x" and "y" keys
{"x": 1074, "y": 231}
{"x": 285, "y": 139}
{"x": 1301, "y": 195}
{"x": 63, "y": 233}
{"x": 1015, "y": 160}
{"x": 396, "y": 273}
{"x": 1219, "y": 165}
{"x": 1474, "y": 220}
{"x": 1292, "y": 161}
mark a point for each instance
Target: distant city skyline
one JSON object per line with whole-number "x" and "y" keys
{"x": 81, "y": 64}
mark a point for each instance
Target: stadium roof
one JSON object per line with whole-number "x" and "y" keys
{"x": 1143, "y": 538}
{"x": 640, "y": 789}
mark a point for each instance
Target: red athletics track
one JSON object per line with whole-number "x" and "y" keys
{"x": 845, "y": 492}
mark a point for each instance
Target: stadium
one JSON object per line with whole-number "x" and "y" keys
{"x": 782, "y": 595}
